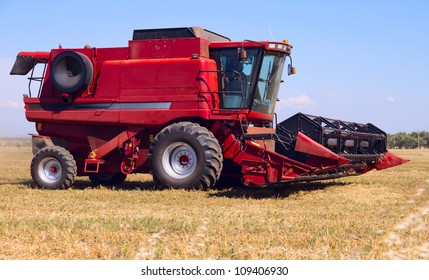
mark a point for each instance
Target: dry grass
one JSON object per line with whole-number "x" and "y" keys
{"x": 380, "y": 215}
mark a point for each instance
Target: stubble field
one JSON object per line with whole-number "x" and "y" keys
{"x": 379, "y": 215}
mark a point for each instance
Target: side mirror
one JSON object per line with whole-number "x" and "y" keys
{"x": 291, "y": 70}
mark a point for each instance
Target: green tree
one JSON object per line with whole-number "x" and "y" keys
{"x": 402, "y": 140}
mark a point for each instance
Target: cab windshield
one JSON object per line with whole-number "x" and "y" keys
{"x": 251, "y": 82}
{"x": 270, "y": 77}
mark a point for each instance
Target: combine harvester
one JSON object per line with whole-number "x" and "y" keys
{"x": 188, "y": 106}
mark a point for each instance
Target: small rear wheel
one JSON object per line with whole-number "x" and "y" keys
{"x": 53, "y": 168}
{"x": 107, "y": 179}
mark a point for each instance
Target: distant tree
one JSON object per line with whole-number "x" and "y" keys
{"x": 402, "y": 140}
{"x": 424, "y": 139}
{"x": 410, "y": 142}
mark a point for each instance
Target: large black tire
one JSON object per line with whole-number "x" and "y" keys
{"x": 71, "y": 72}
{"x": 185, "y": 155}
{"x": 53, "y": 168}
{"x": 107, "y": 179}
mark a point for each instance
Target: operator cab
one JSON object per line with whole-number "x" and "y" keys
{"x": 249, "y": 77}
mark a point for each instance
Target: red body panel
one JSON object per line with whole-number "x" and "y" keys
{"x": 149, "y": 92}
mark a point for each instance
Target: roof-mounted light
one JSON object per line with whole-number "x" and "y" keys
{"x": 278, "y": 46}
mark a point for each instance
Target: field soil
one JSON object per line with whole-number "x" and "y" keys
{"x": 379, "y": 215}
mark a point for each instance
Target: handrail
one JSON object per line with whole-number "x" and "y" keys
{"x": 39, "y": 78}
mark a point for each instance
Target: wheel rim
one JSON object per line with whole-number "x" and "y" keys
{"x": 179, "y": 160}
{"x": 50, "y": 170}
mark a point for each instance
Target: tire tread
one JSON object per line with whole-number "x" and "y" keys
{"x": 211, "y": 148}
{"x": 68, "y": 166}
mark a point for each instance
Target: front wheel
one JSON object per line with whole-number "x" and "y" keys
{"x": 53, "y": 168}
{"x": 185, "y": 155}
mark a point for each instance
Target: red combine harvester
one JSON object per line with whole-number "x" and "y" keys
{"x": 188, "y": 106}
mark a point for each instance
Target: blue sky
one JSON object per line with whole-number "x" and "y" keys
{"x": 363, "y": 61}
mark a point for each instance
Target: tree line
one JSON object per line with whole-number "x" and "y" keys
{"x": 413, "y": 140}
